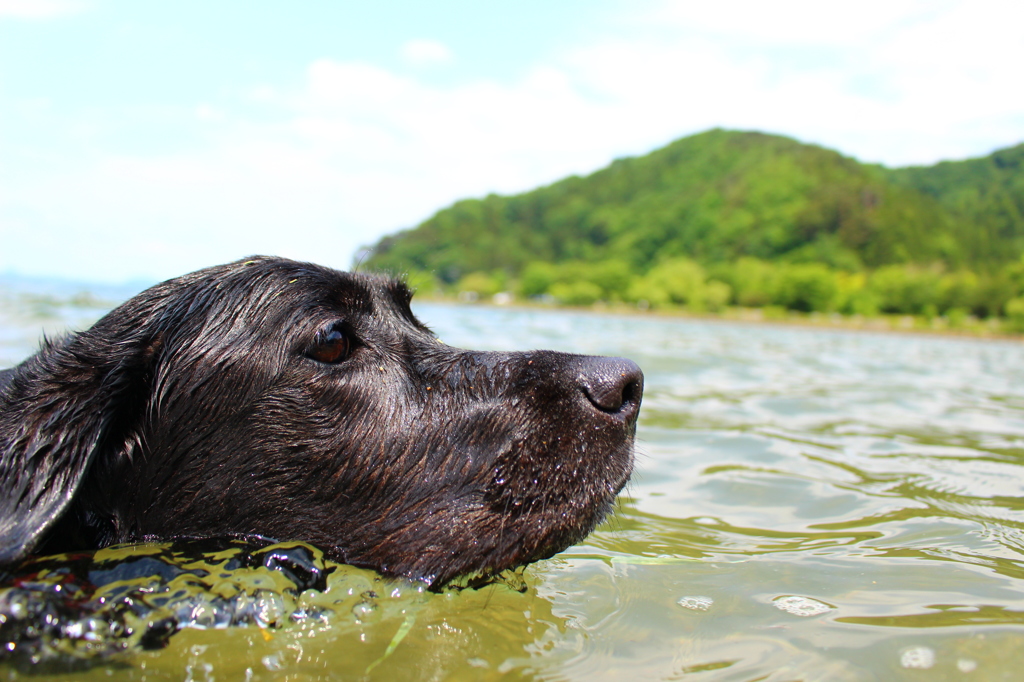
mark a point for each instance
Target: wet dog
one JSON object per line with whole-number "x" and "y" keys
{"x": 284, "y": 400}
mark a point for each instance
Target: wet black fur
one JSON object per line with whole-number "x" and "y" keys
{"x": 195, "y": 409}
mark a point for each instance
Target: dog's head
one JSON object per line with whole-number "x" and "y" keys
{"x": 281, "y": 399}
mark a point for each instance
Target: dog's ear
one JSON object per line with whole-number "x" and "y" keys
{"x": 74, "y": 401}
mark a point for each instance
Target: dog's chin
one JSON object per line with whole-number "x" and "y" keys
{"x": 555, "y": 530}
{"x": 460, "y": 552}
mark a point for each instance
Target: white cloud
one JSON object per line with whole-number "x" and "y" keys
{"x": 357, "y": 150}
{"x": 899, "y": 81}
{"x": 363, "y": 152}
{"x": 207, "y": 112}
{"x": 791, "y": 23}
{"x": 38, "y": 9}
{"x": 427, "y": 53}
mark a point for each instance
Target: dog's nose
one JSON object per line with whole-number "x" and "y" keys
{"x": 612, "y": 385}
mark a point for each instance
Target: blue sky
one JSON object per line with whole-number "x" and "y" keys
{"x": 141, "y": 140}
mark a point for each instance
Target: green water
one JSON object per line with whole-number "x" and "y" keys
{"x": 808, "y": 505}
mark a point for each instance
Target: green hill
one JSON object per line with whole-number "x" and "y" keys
{"x": 722, "y": 204}
{"x": 984, "y": 199}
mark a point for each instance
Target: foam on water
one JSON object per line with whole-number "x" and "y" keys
{"x": 802, "y": 606}
{"x": 696, "y": 603}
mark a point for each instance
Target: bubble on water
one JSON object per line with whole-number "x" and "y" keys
{"x": 802, "y": 606}
{"x": 270, "y": 608}
{"x": 917, "y": 657}
{"x": 966, "y": 665}
{"x": 696, "y": 603}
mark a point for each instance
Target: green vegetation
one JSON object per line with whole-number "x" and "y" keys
{"x": 729, "y": 218}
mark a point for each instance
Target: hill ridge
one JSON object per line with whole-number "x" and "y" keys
{"x": 722, "y": 196}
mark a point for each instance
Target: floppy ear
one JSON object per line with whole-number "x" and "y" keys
{"x": 74, "y": 401}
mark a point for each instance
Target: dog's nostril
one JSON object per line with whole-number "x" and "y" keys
{"x": 612, "y": 384}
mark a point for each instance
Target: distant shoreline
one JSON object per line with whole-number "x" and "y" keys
{"x": 984, "y": 330}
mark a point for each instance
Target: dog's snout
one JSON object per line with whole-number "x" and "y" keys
{"x": 612, "y": 385}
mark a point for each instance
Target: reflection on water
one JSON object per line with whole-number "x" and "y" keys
{"x": 808, "y": 504}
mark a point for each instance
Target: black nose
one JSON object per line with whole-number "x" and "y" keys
{"x": 612, "y": 385}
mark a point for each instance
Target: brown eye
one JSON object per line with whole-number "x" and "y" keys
{"x": 330, "y": 348}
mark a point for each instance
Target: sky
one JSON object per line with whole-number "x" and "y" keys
{"x": 143, "y": 140}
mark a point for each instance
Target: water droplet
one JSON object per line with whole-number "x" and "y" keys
{"x": 802, "y": 606}
{"x": 696, "y": 603}
{"x": 918, "y": 657}
{"x": 365, "y": 611}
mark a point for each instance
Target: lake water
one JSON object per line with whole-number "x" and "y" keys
{"x": 807, "y": 505}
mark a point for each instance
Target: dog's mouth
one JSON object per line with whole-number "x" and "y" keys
{"x": 561, "y": 495}
{"x": 559, "y": 482}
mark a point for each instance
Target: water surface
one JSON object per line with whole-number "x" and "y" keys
{"x": 808, "y": 504}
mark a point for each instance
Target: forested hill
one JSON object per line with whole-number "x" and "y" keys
{"x": 720, "y": 195}
{"x": 984, "y": 196}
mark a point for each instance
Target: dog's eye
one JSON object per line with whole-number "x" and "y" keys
{"x": 330, "y": 347}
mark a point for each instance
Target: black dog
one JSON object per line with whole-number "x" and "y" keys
{"x": 285, "y": 400}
